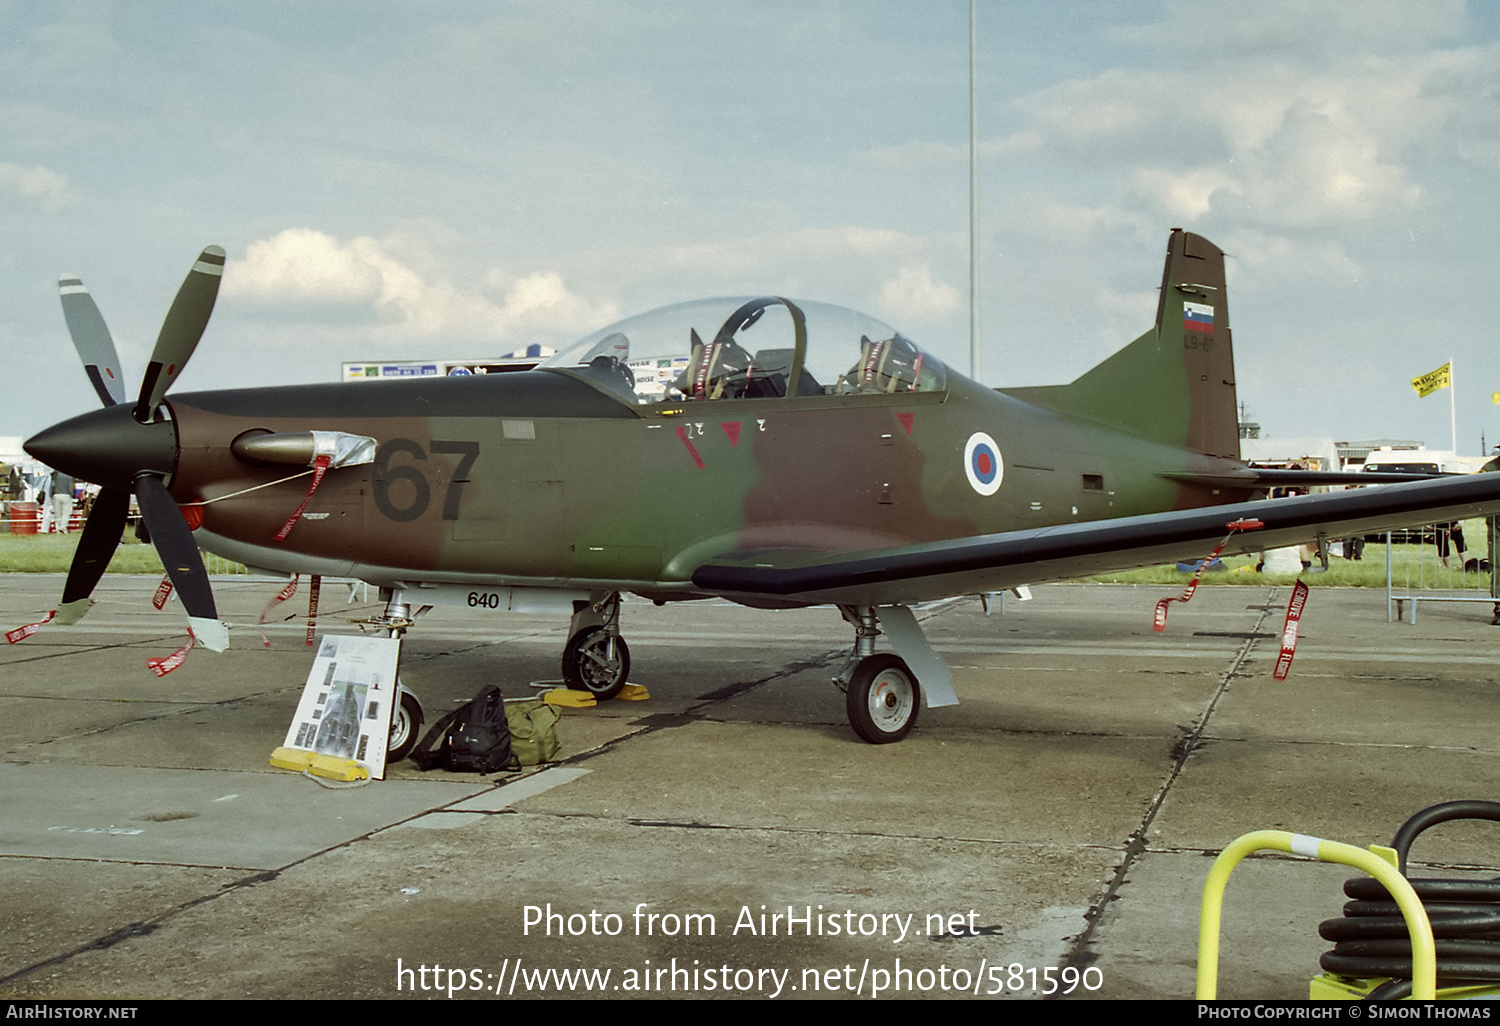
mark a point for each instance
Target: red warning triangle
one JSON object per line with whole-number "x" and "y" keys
{"x": 732, "y": 432}
{"x": 906, "y": 419}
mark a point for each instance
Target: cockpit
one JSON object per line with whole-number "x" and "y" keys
{"x": 762, "y": 348}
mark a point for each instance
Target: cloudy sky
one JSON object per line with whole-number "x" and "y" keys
{"x": 457, "y": 179}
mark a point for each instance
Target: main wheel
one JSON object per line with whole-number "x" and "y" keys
{"x": 405, "y": 729}
{"x": 883, "y": 699}
{"x": 594, "y": 662}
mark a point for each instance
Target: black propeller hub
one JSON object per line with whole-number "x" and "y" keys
{"x": 108, "y": 447}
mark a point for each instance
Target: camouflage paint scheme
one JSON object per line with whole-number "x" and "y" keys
{"x": 902, "y": 482}
{"x": 544, "y": 477}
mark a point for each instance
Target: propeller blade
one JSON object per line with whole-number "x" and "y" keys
{"x": 179, "y": 554}
{"x": 92, "y": 340}
{"x": 180, "y": 332}
{"x": 101, "y": 536}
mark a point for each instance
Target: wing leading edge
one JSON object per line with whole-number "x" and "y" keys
{"x": 1258, "y": 477}
{"x": 964, "y": 566}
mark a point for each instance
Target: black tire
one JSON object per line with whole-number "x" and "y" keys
{"x": 406, "y": 729}
{"x": 586, "y": 665}
{"x": 883, "y": 699}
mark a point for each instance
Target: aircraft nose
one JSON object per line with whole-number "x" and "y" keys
{"x": 108, "y": 447}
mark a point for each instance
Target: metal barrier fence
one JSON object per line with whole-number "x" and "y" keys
{"x": 1416, "y": 572}
{"x": 29, "y": 521}
{"x": 218, "y": 566}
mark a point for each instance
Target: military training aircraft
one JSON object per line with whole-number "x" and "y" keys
{"x": 772, "y": 452}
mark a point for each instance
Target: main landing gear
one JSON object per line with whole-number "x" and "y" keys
{"x": 596, "y": 659}
{"x": 881, "y": 693}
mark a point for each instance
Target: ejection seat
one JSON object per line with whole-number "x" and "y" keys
{"x": 717, "y": 370}
{"x": 891, "y": 365}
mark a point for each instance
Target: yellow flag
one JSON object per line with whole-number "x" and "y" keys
{"x": 1430, "y": 383}
{"x": 1495, "y": 398}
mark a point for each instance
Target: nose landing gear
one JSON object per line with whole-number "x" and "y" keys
{"x": 596, "y": 659}
{"x": 406, "y": 711}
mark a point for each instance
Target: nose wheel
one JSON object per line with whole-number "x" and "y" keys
{"x": 596, "y": 660}
{"x": 406, "y": 725}
{"x": 883, "y": 698}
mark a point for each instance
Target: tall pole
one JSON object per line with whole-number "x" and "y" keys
{"x": 1453, "y": 406}
{"x": 973, "y": 198}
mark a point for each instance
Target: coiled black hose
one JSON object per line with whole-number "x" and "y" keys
{"x": 1372, "y": 938}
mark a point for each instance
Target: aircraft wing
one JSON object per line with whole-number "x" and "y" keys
{"x": 1260, "y": 477}
{"x": 994, "y": 562}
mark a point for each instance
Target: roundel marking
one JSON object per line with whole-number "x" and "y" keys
{"x": 983, "y": 464}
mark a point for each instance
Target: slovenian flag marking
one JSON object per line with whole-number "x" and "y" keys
{"x": 1197, "y": 317}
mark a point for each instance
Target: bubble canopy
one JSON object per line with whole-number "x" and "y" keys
{"x": 760, "y": 348}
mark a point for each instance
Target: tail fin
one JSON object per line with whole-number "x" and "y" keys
{"x": 1174, "y": 384}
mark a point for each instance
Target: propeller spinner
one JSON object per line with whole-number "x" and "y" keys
{"x": 130, "y": 449}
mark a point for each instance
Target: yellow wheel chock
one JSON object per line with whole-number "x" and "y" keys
{"x": 583, "y": 700}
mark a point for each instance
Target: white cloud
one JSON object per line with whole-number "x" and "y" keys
{"x": 541, "y": 301}
{"x": 1260, "y": 253}
{"x": 913, "y": 293}
{"x": 1281, "y": 137}
{"x": 1325, "y": 167}
{"x": 897, "y": 272}
{"x": 303, "y": 266}
{"x": 398, "y": 282}
{"x": 1184, "y": 196}
{"x": 47, "y": 189}
{"x": 1302, "y": 149}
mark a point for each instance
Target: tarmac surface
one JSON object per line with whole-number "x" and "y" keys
{"x": 1063, "y": 816}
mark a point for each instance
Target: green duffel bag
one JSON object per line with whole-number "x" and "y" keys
{"x": 533, "y": 731}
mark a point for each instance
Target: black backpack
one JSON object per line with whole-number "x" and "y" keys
{"x": 475, "y": 738}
